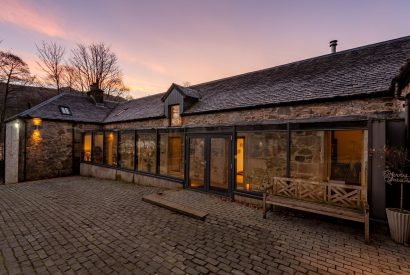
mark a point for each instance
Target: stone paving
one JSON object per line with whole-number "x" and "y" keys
{"x": 80, "y": 225}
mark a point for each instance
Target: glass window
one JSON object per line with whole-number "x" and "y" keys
{"x": 174, "y": 115}
{"x": 347, "y": 156}
{"x": 337, "y": 155}
{"x": 147, "y": 152}
{"x": 196, "y": 162}
{"x": 86, "y": 147}
{"x": 259, "y": 157}
{"x": 172, "y": 154}
{"x": 307, "y": 159}
{"x": 126, "y": 150}
{"x": 219, "y": 163}
{"x": 98, "y": 147}
{"x": 110, "y": 148}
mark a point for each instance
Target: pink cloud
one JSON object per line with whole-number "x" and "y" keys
{"x": 19, "y": 13}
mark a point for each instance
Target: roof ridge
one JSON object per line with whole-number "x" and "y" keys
{"x": 303, "y": 60}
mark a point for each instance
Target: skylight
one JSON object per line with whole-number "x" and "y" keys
{"x": 65, "y": 110}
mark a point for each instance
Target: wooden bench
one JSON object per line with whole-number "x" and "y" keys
{"x": 342, "y": 201}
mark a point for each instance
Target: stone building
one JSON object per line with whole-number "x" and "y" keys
{"x": 315, "y": 119}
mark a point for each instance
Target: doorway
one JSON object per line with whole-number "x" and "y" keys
{"x": 209, "y": 163}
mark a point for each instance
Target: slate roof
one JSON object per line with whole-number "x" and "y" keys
{"x": 184, "y": 91}
{"x": 360, "y": 71}
{"x": 142, "y": 108}
{"x": 83, "y": 109}
{"x": 364, "y": 71}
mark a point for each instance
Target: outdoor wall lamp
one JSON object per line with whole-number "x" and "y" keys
{"x": 37, "y": 123}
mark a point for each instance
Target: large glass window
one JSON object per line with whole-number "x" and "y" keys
{"x": 172, "y": 154}
{"x": 337, "y": 156}
{"x": 126, "y": 150}
{"x": 98, "y": 140}
{"x": 147, "y": 152}
{"x": 86, "y": 147}
{"x": 260, "y": 156}
{"x": 110, "y": 148}
{"x": 307, "y": 158}
{"x": 348, "y": 156}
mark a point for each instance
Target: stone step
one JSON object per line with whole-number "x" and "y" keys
{"x": 161, "y": 201}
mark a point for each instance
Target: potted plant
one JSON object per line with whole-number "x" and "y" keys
{"x": 396, "y": 167}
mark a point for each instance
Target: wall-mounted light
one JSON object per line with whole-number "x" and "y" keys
{"x": 17, "y": 124}
{"x": 37, "y": 123}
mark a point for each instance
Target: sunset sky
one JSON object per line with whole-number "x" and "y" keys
{"x": 163, "y": 41}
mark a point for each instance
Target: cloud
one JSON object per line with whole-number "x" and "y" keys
{"x": 21, "y": 14}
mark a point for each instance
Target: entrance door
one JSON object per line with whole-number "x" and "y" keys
{"x": 209, "y": 162}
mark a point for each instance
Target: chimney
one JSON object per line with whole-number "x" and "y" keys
{"x": 96, "y": 94}
{"x": 333, "y": 45}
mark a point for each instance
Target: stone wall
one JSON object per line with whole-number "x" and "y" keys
{"x": 49, "y": 147}
{"x": 314, "y": 110}
{"x": 149, "y": 123}
{"x": 303, "y": 111}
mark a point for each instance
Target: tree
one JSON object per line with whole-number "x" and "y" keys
{"x": 51, "y": 62}
{"x": 69, "y": 77}
{"x": 96, "y": 63}
{"x": 13, "y": 71}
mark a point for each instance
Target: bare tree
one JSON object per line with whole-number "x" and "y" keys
{"x": 96, "y": 63}
{"x": 13, "y": 71}
{"x": 51, "y": 62}
{"x": 69, "y": 77}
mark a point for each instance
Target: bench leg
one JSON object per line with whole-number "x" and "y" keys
{"x": 366, "y": 227}
{"x": 264, "y": 206}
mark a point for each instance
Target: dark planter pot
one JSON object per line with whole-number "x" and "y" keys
{"x": 399, "y": 224}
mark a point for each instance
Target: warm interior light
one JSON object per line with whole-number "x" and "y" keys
{"x": 247, "y": 187}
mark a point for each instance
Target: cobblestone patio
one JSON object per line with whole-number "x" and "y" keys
{"x": 89, "y": 226}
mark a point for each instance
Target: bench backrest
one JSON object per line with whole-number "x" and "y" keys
{"x": 344, "y": 195}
